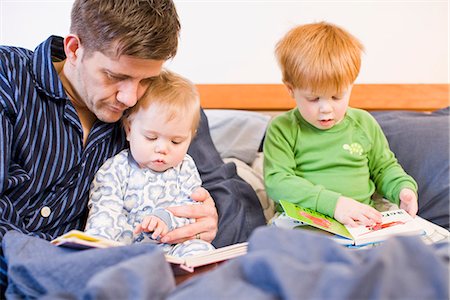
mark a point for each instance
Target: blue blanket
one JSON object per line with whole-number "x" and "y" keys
{"x": 295, "y": 264}
{"x": 280, "y": 264}
{"x": 37, "y": 268}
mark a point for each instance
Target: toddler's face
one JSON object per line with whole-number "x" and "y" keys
{"x": 156, "y": 143}
{"x": 322, "y": 111}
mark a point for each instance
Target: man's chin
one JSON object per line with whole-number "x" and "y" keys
{"x": 109, "y": 118}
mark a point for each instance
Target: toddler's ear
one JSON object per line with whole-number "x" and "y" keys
{"x": 290, "y": 88}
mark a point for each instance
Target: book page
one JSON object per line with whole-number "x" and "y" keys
{"x": 394, "y": 222}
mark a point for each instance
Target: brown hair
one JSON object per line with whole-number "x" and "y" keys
{"x": 174, "y": 94}
{"x": 320, "y": 57}
{"x": 146, "y": 29}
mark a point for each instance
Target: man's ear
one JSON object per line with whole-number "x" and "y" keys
{"x": 72, "y": 47}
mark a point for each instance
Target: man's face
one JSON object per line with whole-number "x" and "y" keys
{"x": 322, "y": 111}
{"x": 108, "y": 86}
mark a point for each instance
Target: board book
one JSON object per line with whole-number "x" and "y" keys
{"x": 394, "y": 222}
{"x": 189, "y": 263}
{"x": 80, "y": 240}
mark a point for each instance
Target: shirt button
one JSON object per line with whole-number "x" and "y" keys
{"x": 45, "y": 211}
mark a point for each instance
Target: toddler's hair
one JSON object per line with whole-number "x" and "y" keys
{"x": 320, "y": 57}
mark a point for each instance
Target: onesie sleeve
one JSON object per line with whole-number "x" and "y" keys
{"x": 188, "y": 181}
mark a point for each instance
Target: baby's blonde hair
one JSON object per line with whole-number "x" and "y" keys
{"x": 320, "y": 57}
{"x": 173, "y": 94}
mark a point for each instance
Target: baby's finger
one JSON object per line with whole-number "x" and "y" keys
{"x": 153, "y": 224}
{"x": 145, "y": 222}
{"x": 157, "y": 232}
{"x": 137, "y": 229}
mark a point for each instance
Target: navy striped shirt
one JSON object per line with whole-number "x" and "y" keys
{"x": 45, "y": 171}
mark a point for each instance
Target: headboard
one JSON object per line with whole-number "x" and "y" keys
{"x": 274, "y": 97}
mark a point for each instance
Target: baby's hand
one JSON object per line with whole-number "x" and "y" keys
{"x": 152, "y": 224}
{"x": 408, "y": 201}
{"x": 350, "y": 212}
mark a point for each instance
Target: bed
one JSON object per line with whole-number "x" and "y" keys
{"x": 280, "y": 264}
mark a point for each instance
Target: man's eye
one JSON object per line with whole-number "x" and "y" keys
{"x": 112, "y": 77}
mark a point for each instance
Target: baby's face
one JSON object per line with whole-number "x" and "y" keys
{"x": 157, "y": 143}
{"x": 322, "y": 111}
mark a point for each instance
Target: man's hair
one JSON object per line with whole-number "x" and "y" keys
{"x": 173, "y": 94}
{"x": 145, "y": 29}
{"x": 319, "y": 57}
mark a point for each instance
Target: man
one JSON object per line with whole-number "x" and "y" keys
{"x": 59, "y": 113}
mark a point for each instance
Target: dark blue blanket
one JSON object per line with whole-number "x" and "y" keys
{"x": 280, "y": 264}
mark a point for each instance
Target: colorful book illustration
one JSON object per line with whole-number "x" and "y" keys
{"x": 395, "y": 222}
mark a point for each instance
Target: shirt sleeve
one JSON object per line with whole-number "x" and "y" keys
{"x": 106, "y": 202}
{"x": 387, "y": 174}
{"x": 281, "y": 180}
{"x": 11, "y": 174}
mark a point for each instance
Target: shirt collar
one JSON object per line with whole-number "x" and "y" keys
{"x": 45, "y": 75}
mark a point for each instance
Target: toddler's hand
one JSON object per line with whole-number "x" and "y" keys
{"x": 408, "y": 201}
{"x": 152, "y": 224}
{"x": 351, "y": 212}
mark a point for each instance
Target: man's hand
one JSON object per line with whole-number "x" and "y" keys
{"x": 408, "y": 201}
{"x": 205, "y": 215}
{"x": 152, "y": 224}
{"x": 351, "y": 212}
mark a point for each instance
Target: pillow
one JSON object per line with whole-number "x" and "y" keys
{"x": 237, "y": 133}
{"x": 237, "y": 204}
{"x": 420, "y": 142}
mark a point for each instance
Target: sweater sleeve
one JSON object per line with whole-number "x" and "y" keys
{"x": 281, "y": 179}
{"x": 387, "y": 174}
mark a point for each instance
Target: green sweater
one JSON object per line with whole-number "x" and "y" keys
{"x": 313, "y": 168}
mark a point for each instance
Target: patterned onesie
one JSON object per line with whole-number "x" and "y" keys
{"x": 122, "y": 194}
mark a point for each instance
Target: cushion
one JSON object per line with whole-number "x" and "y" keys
{"x": 237, "y": 133}
{"x": 420, "y": 142}
{"x": 237, "y": 204}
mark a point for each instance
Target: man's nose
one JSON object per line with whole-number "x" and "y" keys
{"x": 129, "y": 93}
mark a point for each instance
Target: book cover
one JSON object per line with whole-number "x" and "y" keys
{"x": 394, "y": 222}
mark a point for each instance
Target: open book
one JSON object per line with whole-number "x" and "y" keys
{"x": 395, "y": 222}
{"x": 80, "y": 240}
{"x": 189, "y": 263}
